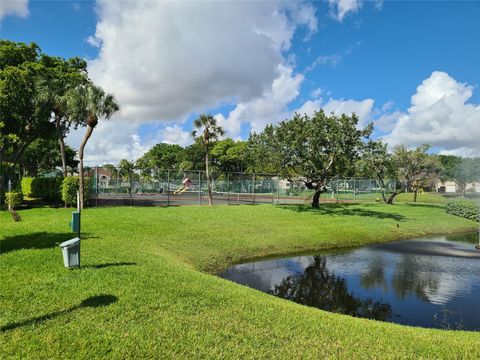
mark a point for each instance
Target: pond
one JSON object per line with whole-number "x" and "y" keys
{"x": 430, "y": 282}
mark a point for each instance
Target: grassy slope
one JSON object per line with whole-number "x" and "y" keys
{"x": 149, "y": 259}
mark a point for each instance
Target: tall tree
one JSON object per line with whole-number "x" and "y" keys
{"x": 61, "y": 77}
{"x": 314, "y": 150}
{"x": 415, "y": 169}
{"x": 465, "y": 172}
{"x": 262, "y": 156}
{"x": 125, "y": 170}
{"x": 207, "y": 131}
{"x": 86, "y": 104}
{"x": 160, "y": 156}
{"x": 42, "y": 156}
{"x": 230, "y": 155}
{"x": 377, "y": 162}
{"x": 23, "y": 115}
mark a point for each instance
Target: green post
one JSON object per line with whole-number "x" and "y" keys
{"x": 354, "y": 191}
{"x": 168, "y": 187}
{"x": 228, "y": 188}
{"x": 253, "y": 188}
{"x": 199, "y": 187}
{"x": 96, "y": 185}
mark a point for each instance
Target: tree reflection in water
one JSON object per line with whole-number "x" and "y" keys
{"x": 318, "y": 288}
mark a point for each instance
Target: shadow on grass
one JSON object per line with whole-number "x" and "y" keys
{"x": 343, "y": 209}
{"x": 38, "y": 240}
{"x": 93, "y": 301}
{"x": 424, "y": 205}
{"x": 102, "y": 266}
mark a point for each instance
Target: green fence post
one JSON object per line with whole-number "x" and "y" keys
{"x": 168, "y": 187}
{"x": 228, "y": 188}
{"x": 96, "y": 186}
{"x": 354, "y": 191}
{"x": 253, "y": 188}
{"x": 200, "y": 187}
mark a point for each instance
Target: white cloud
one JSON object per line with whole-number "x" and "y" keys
{"x": 175, "y": 135}
{"x": 316, "y": 93}
{"x": 14, "y": 7}
{"x": 334, "y": 59}
{"x": 441, "y": 116}
{"x": 95, "y": 42}
{"x": 340, "y": 8}
{"x": 387, "y": 122}
{"x": 111, "y": 141}
{"x": 363, "y": 108}
{"x": 166, "y": 60}
{"x": 271, "y": 107}
{"x": 309, "y": 107}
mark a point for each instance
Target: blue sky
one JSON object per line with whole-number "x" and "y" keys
{"x": 250, "y": 64}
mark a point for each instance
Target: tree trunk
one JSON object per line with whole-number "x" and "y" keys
{"x": 209, "y": 184}
{"x": 392, "y": 195}
{"x": 316, "y": 197}
{"x": 382, "y": 184}
{"x": 61, "y": 142}
{"x": 415, "y": 195}
{"x": 88, "y": 133}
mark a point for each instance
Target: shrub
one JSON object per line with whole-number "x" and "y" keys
{"x": 466, "y": 209}
{"x": 26, "y": 185}
{"x": 70, "y": 187}
{"x": 48, "y": 189}
{"x": 14, "y": 199}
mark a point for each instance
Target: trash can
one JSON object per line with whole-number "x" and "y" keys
{"x": 71, "y": 252}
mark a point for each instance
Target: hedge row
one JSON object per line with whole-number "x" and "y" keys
{"x": 466, "y": 209}
{"x": 54, "y": 189}
{"x": 70, "y": 187}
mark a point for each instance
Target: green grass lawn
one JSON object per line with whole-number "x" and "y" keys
{"x": 150, "y": 269}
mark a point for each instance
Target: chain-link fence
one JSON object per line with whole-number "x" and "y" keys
{"x": 116, "y": 186}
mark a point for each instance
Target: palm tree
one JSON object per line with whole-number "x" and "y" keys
{"x": 125, "y": 169}
{"x": 93, "y": 103}
{"x": 208, "y": 130}
{"x": 62, "y": 76}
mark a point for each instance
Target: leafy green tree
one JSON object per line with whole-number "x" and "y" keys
{"x": 314, "y": 150}
{"x": 206, "y": 131}
{"x": 465, "y": 172}
{"x": 62, "y": 76}
{"x": 42, "y": 156}
{"x": 377, "y": 162}
{"x": 262, "y": 155}
{"x": 24, "y": 116}
{"x": 415, "y": 169}
{"x": 193, "y": 157}
{"x": 160, "y": 156}
{"x": 86, "y": 104}
{"x": 230, "y": 155}
{"x": 448, "y": 162}
{"x": 125, "y": 170}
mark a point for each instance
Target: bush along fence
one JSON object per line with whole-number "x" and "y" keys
{"x": 466, "y": 209}
{"x": 159, "y": 187}
{"x": 54, "y": 189}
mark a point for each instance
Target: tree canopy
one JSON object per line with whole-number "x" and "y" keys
{"x": 314, "y": 149}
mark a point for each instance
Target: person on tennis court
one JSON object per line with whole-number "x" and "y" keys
{"x": 186, "y": 184}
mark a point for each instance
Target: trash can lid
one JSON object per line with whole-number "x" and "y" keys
{"x": 70, "y": 242}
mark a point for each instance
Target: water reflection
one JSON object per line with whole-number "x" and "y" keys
{"x": 317, "y": 287}
{"x": 431, "y": 282}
